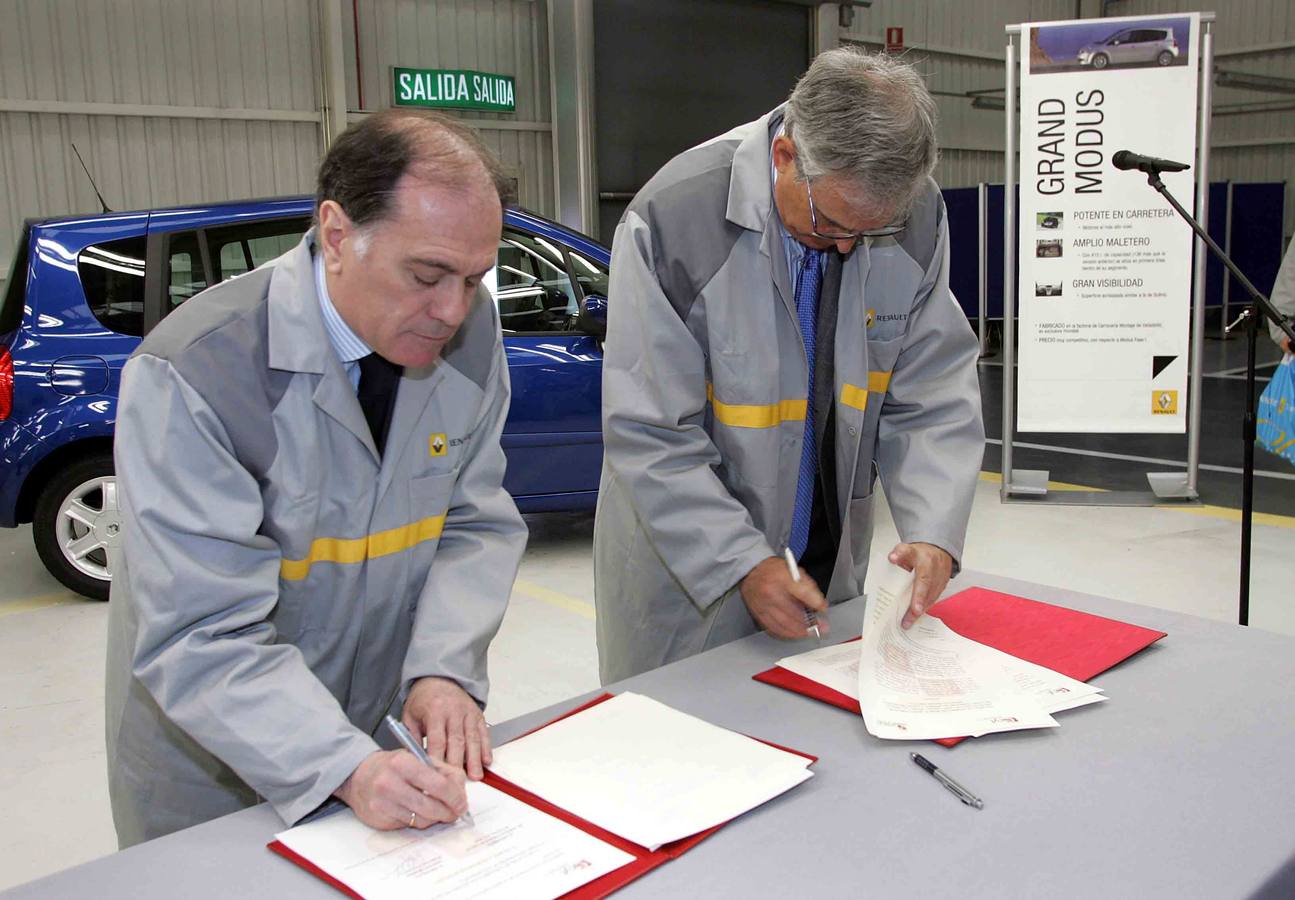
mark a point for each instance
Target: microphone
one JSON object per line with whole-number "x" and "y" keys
{"x": 1125, "y": 159}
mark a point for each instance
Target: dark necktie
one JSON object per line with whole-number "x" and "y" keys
{"x": 379, "y": 380}
{"x": 807, "y": 288}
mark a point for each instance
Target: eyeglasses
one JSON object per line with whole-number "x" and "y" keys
{"x": 883, "y": 231}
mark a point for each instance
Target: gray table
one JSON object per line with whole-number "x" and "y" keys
{"x": 1179, "y": 786}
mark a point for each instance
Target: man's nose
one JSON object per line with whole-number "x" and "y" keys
{"x": 452, "y": 308}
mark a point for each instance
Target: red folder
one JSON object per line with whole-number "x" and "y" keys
{"x": 1074, "y": 643}
{"x": 644, "y": 860}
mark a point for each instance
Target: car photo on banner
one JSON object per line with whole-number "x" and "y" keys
{"x": 1150, "y": 43}
{"x": 85, "y": 290}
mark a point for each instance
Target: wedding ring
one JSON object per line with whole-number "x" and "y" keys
{"x": 413, "y": 817}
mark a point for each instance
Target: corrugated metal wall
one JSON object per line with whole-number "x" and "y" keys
{"x": 175, "y": 101}
{"x": 959, "y": 46}
{"x": 1257, "y": 37}
{"x": 180, "y": 101}
{"x": 506, "y": 37}
{"x": 202, "y": 59}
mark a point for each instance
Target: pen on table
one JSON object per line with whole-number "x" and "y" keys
{"x": 811, "y": 621}
{"x": 956, "y": 789}
{"x": 407, "y": 741}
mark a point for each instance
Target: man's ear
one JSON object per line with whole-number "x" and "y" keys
{"x": 334, "y": 228}
{"x": 784, "y": 155}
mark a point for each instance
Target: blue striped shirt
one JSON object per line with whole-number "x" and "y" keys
{"x": 346, "y": 343}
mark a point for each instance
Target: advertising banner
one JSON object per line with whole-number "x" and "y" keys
{"x": 1105, "y": 262}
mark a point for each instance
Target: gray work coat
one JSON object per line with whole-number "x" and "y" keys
{"x": 280, "y": 584}
{"x": 704, "y": 398}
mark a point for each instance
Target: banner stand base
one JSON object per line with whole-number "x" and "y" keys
{"x": 1031, "y": 486}
{"x": 1027, "y": 483}
{"x": 1172, "y": 486}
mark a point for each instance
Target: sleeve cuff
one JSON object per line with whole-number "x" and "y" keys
{"x": 716, "y": 588}
{"x": 330, "y": 778}
{"x": 953, "y": 548}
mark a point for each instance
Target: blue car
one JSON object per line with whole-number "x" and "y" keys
{"x": 84, "y": 291}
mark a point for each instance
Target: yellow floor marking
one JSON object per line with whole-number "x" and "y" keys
{"x": 554, "y": 598}
{"x": 29, "y": 604}
{"x": 1225, "y": 513}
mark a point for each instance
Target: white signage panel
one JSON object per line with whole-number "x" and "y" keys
{"x": 1105, "y": 261}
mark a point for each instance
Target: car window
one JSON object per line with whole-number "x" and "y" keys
{"x": 240, "y": 248}
{"x": 185, "y": 275}
{"x": 591, "y": 275}
{"x": 112, "y": 276}
{"x": 531, "y": 287}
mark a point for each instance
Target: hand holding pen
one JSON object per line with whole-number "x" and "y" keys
{"x": 811, "y": 620}
{"x": 407, "y": 741}
{"x": 777, "y": 599}
{"x": 392, "y": 789}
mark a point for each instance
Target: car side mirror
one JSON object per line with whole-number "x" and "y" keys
{"x": 593, "y": 316}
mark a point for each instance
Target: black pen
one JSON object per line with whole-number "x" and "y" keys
{"x": 956, "y": 789}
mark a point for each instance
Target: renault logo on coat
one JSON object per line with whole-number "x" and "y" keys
{"x": 1164, "y": 403}
{"x": 438, "y": 444}
{"x": 872, "y": 316}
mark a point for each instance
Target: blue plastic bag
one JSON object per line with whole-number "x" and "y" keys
{"x": 1276, "y": 432}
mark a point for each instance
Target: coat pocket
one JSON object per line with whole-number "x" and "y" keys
{"x": 429, "y": 510}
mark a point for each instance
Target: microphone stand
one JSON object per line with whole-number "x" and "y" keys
{"x": 1252, "y": 316}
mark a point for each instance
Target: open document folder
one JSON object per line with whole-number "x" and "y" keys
{"x": 1054, "y": 649}
{"x": 512, "y": 850}
{"x": 533, "y": 844}
{"x": 646, "y": 772}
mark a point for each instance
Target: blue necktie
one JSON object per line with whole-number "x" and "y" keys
{"x": 808, "y": 283}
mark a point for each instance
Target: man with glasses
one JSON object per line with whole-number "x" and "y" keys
{"x": 781, "y": 333}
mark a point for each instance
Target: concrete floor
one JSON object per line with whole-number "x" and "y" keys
{"x": 53, "y": 798}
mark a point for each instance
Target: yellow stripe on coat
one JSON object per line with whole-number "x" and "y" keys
{"x": 356, "y": 550}
{"x": 853, "y": 395}
{"x": 741, "y": 416}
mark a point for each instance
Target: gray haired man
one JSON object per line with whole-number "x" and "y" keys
{"x": 781, "y": 335}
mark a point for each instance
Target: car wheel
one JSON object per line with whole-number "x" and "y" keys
{"x": 76, "y": 523}
{"x": 1165, "y": 58}
{"x": 1100, "y": 61}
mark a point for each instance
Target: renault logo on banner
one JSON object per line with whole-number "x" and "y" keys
{"x": 1164, "y": 403}
{"x": 438, "y": 445}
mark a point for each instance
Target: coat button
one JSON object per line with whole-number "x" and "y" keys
{"x": 853, "y": 431}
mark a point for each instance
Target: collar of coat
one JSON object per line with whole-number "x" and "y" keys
{"x": 750, "y": 188}
{"x": 297, "y": 338}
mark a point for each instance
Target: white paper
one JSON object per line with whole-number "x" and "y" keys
{"x": 646, "y": 772}
{"x": 513, "y": 851}
{"x": 837, "y": 667}
{"x": 930, "y": 682}
{"x": 1053, "y": 691}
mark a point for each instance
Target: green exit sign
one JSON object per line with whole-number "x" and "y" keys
{"x": 453, "y": 89}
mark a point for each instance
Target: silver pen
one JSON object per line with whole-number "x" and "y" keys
{"x": 407, "y": 741}
{"x": 956, "y": 789}
{"x": 811, "y": 620}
